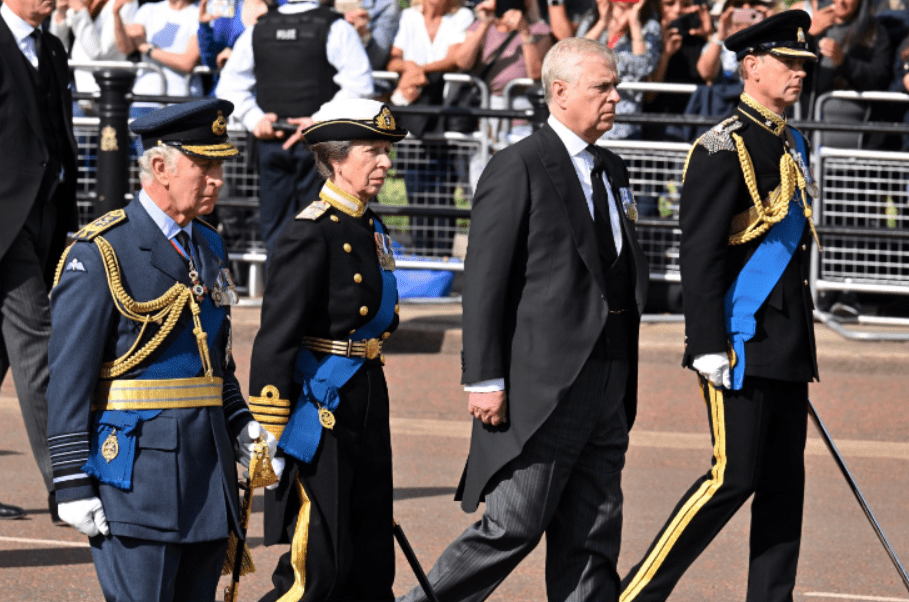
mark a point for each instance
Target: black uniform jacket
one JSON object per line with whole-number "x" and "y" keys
{"x": 715, "y": 190}
{"x": 534, "y": 293}
{"x": 23, "y": 150}
{"x": 316, "y": 287}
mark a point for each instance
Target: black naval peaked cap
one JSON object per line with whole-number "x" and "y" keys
{"x": 353, "y": 119}
{"x": 198, "y": 128}
{"x": 783, "y": 34}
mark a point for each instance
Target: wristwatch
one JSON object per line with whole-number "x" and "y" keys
{"x": 716, "y": 40}
{"x": 149, "y": 51}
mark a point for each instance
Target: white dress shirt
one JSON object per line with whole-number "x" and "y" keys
{"x": 22, "y": 31}
{"x": 583, "y": 164}
{"x": 166, "y": 223}
{"x": 344, "y": 50}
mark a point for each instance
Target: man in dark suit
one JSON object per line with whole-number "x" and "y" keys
{"x": 37, "y": 196}
{"x": 555, "y": 283}
{"x": 146, "y": 411}
{"x": 745, "y": 261}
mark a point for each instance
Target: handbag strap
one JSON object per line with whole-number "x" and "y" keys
{"x": 497, "y": 55}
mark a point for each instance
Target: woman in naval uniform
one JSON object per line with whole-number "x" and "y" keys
{"x": 316, "y": 376}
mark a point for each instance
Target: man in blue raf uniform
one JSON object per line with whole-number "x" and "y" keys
{"x": 746, "y": 236}
{"x": 146, "y": 415}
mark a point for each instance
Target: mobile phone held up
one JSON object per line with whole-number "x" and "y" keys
{"x": 222, "y": 9}
{"x": 685, "y": 24}
{"x": 746, "y": 16}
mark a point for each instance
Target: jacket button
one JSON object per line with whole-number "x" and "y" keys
{"x": 334, "y": 218}
{"x": 397, "y": 308}
{"x": 370, "y": 221}
{"x": 385, "y": 335}
{"x": 364, "y": 310}
{"x": 804, "y": 247}
{"x": 347, "y": 247}
{"x": 358, "y": 278}
{"x": 806, "y": 283}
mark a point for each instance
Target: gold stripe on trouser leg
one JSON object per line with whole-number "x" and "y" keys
{"x": 298, "y": 548}
{"x": 655, "y": 559}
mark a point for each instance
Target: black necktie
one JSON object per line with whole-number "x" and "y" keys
{"x": 185, "y": 242}
{"x": 36, "y": 36}
{"x": 601, "y": 215}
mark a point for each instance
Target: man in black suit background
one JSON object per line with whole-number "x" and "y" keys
{"x": 37, "y": 197}
{"x": 555, "y": 283}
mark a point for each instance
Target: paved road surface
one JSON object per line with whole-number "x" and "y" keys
{"x": 862, "y": 398}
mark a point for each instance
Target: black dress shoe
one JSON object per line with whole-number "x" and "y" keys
{"x": 52, "y": 507}
{"x": 7, "y": 511}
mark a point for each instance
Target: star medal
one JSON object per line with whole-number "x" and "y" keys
{"x": 111, "y": 447}
{"x": 229, "y": 291}
{"x": 198, "y": 288}
{"x": 384, "y": 252}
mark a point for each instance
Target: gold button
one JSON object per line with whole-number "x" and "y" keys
{"x": 364, "y": 310}
{"x": 397, "y": 308}
{"x": 358, "y": 279}
{"x": 385, "y": 335}
{"x": 353, "y": 331}
{"x": 370, "y": 221}
{"x": 806, "y": 283}
{"x": 347, "y": 247}
{"x": 334, "y": 218}
{"x": 804, "y": 247}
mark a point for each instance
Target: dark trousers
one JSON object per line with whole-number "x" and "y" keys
{"x": 288, "y": 182}
{"x": 132, "y": 570}
{"x": 759, "y": 445}
{"x": 350, "y": 545}
{"x": 25, "y": 326}
{"x": 567, "y": 484}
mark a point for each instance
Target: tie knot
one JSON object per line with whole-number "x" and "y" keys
{"x": 599, "y": 159}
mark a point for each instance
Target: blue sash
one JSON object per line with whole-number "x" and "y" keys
{"x": 321, "y": 380}
{"x": 753, "y": 285}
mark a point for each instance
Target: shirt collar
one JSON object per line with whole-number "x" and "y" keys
{"x": 573, "y": 143}
{"x": 165, "y": 222}
{"x": 20, "y": 27}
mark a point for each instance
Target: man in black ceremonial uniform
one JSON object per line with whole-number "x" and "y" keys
{"x": 746, "y": 236}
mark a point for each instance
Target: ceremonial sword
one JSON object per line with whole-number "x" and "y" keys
{"x": 413, "y": 562}
{"x": 858, "y": 494}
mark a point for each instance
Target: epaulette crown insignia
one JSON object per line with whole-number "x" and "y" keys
{"x": 719, "y": 137}
{"x": 101, "y": 225}
{"x": 315, "y": 210}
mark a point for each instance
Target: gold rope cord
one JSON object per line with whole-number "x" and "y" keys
{"x": 166, "y": 308}
{"x": 298, "y": 547}
{"x": 686, "y": 514}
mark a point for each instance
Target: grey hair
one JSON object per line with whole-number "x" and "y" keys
{"x": 326, "y": 152}
{"x": 561, "y": 62}
{"x": 168, "y": 153}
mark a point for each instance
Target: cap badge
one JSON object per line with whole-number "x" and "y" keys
{"x": 801, "y": 36}
{"x": 385, "y": 120}
{"x": 219, "y": 127}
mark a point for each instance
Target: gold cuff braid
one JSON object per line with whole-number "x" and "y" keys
{"x": 270, "y": 410}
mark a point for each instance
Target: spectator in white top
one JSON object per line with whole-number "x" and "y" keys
{"x": 91, "y": 23}
{"x": 165, "y": 33}
{"x": 286, "y": 66}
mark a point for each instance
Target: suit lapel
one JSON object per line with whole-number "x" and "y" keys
{"x": 163, "y": 255}
{"x": 15, "y": 64}
{"x": 561, "y": 171}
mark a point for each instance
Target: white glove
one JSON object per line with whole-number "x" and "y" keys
{"x": 715, "y": 368}
{"x": 86, "y": 516}
{"x": 246, "y": 445}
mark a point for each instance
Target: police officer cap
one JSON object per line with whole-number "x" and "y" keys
{"x": 197, "y": 127}
{"x": 783, "y": 34}
{"x": 353, "y": 119}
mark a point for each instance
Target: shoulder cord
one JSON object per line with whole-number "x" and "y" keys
{"x": 168, "y": 306}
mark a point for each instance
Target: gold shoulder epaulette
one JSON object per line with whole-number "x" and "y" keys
{"x": 202, "y": 222}
{"x": 719, "y": 137}
{"x": 101, "y": 225}
{"x": 315, "y": 210}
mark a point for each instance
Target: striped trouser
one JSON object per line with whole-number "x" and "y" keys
{"x": 758, "y": 448}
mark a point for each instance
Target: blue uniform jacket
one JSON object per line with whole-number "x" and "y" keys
{"x": 184, "y": 481}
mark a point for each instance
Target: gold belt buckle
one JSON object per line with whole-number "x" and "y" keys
{"x": 372, "y": 349}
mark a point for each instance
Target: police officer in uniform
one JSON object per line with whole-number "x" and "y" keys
{"x": 146, "y": 416}
{"x": 745, "y": 248}
{"x": 285, "y": 67}
{"x": 316, "y": 376}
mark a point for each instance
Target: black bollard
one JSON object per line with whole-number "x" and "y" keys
{"x": 113, "y": 139}
{"x": 540, "y": 110}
